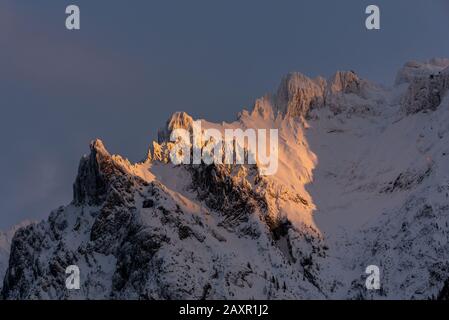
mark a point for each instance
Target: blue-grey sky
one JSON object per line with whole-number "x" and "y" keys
{"x": 133, "y": 63}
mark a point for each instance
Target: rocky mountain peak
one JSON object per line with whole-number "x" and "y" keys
{"x": 97, "y": 173}
{"x": 263, "y": 108}
{"x": 179, "y": 120}
{"x": 345, "y": 82}
{"x": 90, "y": 185}
{"x": 428, "y": 84}
{"x": 347, "y": 194}
{"x": 297, "y": 94}
{"x": 98, "y": 147}
{"x": 413, "y": 70}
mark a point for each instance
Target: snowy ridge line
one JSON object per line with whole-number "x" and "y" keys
{"x": 362, "y": 179}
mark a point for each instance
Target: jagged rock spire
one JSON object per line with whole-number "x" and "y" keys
{"x": 90, "y": 185}
{"x": 298, "y": 93}
{"x": 179, "y": 120}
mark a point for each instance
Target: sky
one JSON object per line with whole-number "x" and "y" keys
{"x": 134, "y": 63}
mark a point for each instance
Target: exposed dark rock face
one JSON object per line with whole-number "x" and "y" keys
{"x": 132, "y": 239}
{"x": 444, "y": 293}
{"x": 426, "y": 93}
{"x": 237, "y": 201}
{"x": 407, "y": 180}
{"x": 90, "y": 185}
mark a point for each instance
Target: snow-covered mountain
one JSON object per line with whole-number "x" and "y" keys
{"x": 5, "y": 245}
{"x": 363, "y": 179}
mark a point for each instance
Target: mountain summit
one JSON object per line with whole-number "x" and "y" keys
{"x": 363, "y": 179}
